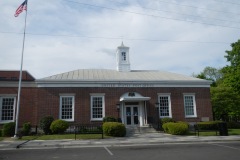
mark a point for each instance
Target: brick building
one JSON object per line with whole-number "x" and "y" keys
{"x": 136, "y": 97}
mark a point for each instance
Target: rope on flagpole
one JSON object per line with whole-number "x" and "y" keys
{"x": 20, "y": 81}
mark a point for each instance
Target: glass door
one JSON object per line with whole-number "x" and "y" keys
{"x": 132, "y": 115}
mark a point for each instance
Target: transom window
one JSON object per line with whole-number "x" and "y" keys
{"x": 97, "y": 107}
{"x": 190, "y": 106}
{"x": 67, "y": 108}
{"x": 124, "y": 58}
{"x": 164, "y": 106}
{"x": 7, "y": 108}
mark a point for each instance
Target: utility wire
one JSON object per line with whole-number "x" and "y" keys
{"x": 196, "y": 7}
{"x": 150, "y": 15}
{"x": 228, "y": 2}
{"x": 160, "y": 10}
{"x": 117, "y": 38}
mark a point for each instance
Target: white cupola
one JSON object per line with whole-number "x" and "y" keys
{"x": 123, "y": 62}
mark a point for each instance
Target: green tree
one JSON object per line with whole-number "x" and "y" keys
{"x": 211, "y": 73}
{"x": 232, "y": 71}
{"x": 225, "y": 103}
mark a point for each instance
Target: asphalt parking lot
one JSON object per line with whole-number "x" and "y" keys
{"x": 173, "y": 151}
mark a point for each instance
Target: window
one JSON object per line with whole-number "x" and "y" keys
{"x": 124, "y": 56}
{"x": 164, "y": 105}
{"x": 7, "y": 109}
{"x": 97, "y": 107}
{"x": 67, "y": 108}
{"x": 190, "y": 105}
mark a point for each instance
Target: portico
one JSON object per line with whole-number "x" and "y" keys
{"x": 133, "y": 109}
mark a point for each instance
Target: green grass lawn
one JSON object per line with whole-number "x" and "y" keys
{"x": 213, "y": 133}
{"x": 99, "y": 136}
{"x": 234, "y": 131}
{"x": 63, "y": 136}
{"x": 58, "y": 137}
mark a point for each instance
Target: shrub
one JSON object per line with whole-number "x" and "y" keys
{"x": 109, "y": 119}
{"x": 59, "y": 126}
{"x": 166, "y": 120}
{"x": 114, "y": 129}
{"x": 8, "y": 129}
{"x": 179, "y": 128}
{"x": 211, "y": 125}
{"x": 0, "y": 133}
{"x": 45, "y": 124}
{"x": 165, "y": 127}
{"x": 26, "y": 129}
{"x": 233, "y": 125}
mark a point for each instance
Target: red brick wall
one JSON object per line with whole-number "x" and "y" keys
{"x": 48, "y": 101}
{"x": 39, "y": 102}
{"x": 14, "y": 75}
{"x": 27, "y": 103}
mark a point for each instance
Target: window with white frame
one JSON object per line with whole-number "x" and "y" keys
{"x": 190, "y": 105}
{"x": 7, "y": 109}
{"x": 164, "y": 105}
{"x": 67, "y": 108}
{"x": 97, "y": 107}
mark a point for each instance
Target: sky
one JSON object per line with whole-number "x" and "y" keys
{"x": 179, "y": 36}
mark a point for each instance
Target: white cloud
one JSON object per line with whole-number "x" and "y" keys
{"x": 98, "y": 32}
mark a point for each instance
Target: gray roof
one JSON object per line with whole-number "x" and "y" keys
{"x": 113, "y": 75}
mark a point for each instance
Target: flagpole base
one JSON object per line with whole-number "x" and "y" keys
{"x": 15, "y": 137}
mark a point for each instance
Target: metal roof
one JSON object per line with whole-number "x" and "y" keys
{"x": 113, "y": 75}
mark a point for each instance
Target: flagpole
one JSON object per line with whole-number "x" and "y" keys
{"x": 20, "y": 81}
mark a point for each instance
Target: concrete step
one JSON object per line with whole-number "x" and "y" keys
{"x": 131, "y": 130}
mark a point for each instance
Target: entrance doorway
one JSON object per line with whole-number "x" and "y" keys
{"x": 132, "y": 115}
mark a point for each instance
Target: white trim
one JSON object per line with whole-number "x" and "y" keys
{"x": 73, "y": 107}
{"x": 194, "y": 105}
{"x": 121, "y": 83}
{"x": 132, "y": 115}
{"x": 169, "y": 104}
{"x": 14, "y": 107}
{"x": 102, "y": 95}
{"x": 133, "y": 99}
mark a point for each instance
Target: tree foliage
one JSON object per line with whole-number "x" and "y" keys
{"x": 232, "y": 72}
{"x": 225, "y": 103}
{"x": 225, "y": 90}
{"x": 211, "y": 73}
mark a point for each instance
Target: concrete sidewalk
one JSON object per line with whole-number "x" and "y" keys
{"x": 137, "y": 139}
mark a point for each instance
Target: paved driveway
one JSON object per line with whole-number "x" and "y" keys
{"x": 173, "y": 151}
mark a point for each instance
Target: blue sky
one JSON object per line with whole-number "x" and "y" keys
{"x": 181, "y": 36}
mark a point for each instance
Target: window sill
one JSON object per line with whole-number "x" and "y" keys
{"x": 68, "y": 120}
{"x": 97, "y": 120}
{"x": 3, "y": 122}
{"x": 165, "y": 116}
{"x": 192, "y": 117}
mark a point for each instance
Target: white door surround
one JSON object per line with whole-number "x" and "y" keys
{"x": 132, "y": 115}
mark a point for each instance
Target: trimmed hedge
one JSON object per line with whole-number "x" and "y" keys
{"x": 179, "y": 128}
{"x": 114, "y": 129}
{"x": 26, "y": 128}
{"x": 59, "y": 126}
{"x": 211, "y": 125}
{"x": 109, "y": 119}
{"x": 45, "y": 124}
{"x": 166, "y": 120}
{"x": 8, "y": 129}
{"x": 233, "y": 125}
